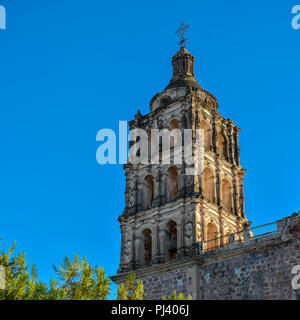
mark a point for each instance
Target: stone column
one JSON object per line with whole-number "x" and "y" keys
{"x": 157, "y": 200}
{"x": 203, "y": 227}
{"x": 155, "y": 243}
{"x": 163, "y": 189}
{"x": 241, "y": 174}
{"x": 230, "y": 142}
{"x": 237, "y": 149}
{"x": 247, "y": 236}
{"x": 132, "y": 256}
{"x": 218, "y": 184}
{"x": 183, "y": 178}
{"x": 137, "y": 207}
{"x": 122, "y": 258}
{"x": 221, "y": 227}
{"x": 214, "y": 134}
{"x": 137, "y": 252}
{"x": 234, "y": 196}
{"x": 162, "y": 244}
{"x": 180, "y": 239}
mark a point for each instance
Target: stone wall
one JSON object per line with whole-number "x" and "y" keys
{"x": 162, "y": 285}
{"x": 254, "y": 269}
{"x": 262, "y": 274}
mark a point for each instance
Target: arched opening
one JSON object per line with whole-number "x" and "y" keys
{"x": 208, "y": 185}
{"x": 226, "y": 238}
{"x": 148, "y": 191}
{"x": 146, "y": 248}
{"x": 174, "y": 125}
{"x": 211, "y": 236}
{"x": 165, "y": 100}
{"x": 172, "y": 240}
{"x": 226, "y": 195}
{"x": 172, "y": 183}
{"x": 206, "y": 132}
{"x": 222, "y": 145}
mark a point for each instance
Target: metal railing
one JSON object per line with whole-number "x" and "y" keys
{"x": 238, "y": 237}
{"x": 264, "y": 230}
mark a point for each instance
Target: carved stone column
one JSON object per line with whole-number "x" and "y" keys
{"x": 234, "y": 196}
{"x": 122, "y": 258}
{"x": 163, "y": 189}
{"x": 180, "y": 240}
{"x": 136, "y": 182}
{"x": 237, "y": 149}
{"x": 221, "y": 227}
{"x": 155, "y": 243}
{"x": 162, "y": 244}
{"x": 214, "y": 133}
{"x": 218, "y": 183}
{"x": 132, "y": 256}
{"x": 203, "y": 226}
{"x": 137, "y": 251}
{"x": 230, "y": 142}
{"x": 157, "y": 200}
{"x": 241, "y": 174}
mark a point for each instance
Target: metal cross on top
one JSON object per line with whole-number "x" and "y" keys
{"x": 181, "y": 30}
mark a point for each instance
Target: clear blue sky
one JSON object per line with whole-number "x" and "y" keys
{"x": 71, "y": 68}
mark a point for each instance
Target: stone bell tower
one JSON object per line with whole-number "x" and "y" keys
{"x": 168, "y": 212}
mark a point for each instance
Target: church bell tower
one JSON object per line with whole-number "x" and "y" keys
{"x": 168, "y": 212}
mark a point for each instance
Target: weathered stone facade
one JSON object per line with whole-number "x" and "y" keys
{"x": 178, "y": 226}
{"x": 254, "y": 269}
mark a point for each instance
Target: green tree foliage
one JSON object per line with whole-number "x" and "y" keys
{"x": 174, "y": 296}
{"x": 132, "y": 289}
{"x": 77, "y": 280}
{"x": 20, "y": 284}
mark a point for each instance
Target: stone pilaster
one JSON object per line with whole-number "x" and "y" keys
{"x": 156, "y": 242}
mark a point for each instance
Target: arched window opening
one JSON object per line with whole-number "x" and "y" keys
{"x": 222, "y": 145}
{"x": 226, "y": 195}
{"x": 148, "y": 191}
{"x": 172, "y": 183}
{"x": 174, "y": 125}
{"x": 165, "y": 100}
{"x": 172, "y": 240}
{"x": 206, "y": 132}
{"x": 146, "y": 247}
{"x": 211, "y": 237}
{"x": 226, "y": 238}
{"x": 208, "y": 185}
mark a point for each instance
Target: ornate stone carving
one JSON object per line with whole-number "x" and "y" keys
{"x": 174, "y": 193}
{"x": 131, "y": 194}
{"x": 127, "y": 248}
{"x": 188, "y": 232}
{"x": 138, "y": 119}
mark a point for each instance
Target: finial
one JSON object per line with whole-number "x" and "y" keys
{"x": 181, "y": 32}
